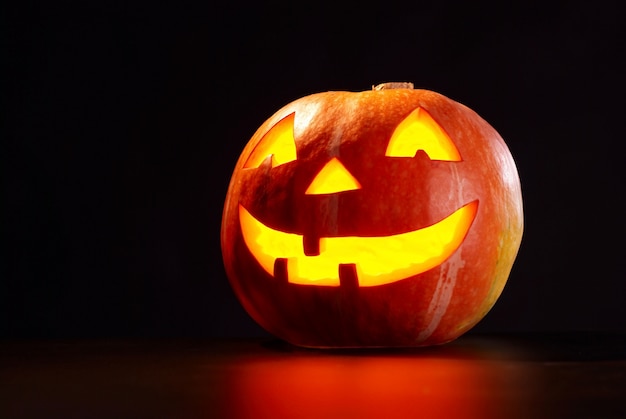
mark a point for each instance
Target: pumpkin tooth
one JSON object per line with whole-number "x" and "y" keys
{"x": 281, "y": 272}
{"x": 311, "y": 245}
{"x": 348, "y": 277}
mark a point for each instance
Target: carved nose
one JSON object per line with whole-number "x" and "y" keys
{"x": 333, "y": 178}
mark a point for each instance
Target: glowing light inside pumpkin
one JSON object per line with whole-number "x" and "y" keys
{"x": 277, "y": 143}
{"x": 419, "y": 131}
{"x": 378, "y": 260}
{"x": 333, "y": 178}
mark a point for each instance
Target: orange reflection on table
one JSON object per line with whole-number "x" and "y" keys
{"x": 324, "y": 386}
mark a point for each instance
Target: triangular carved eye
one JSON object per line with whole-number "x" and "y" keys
{"x": 419, "y": 131}
{"x": 278, "y": 143}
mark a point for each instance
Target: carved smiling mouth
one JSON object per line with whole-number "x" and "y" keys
{"x": 377, "y": 260}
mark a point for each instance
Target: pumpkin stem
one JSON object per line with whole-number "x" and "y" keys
{"x": 393, "y": 85}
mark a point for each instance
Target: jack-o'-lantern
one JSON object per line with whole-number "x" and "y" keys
{"x": 389, "y": 217}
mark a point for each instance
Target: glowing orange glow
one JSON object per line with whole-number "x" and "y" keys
{"x": 419, "y": 131}
{"x": 378, "y": 260}
{"x": 333, "y": 178}
{"x": 277, "y": 143}
{"x": 372, "y": 387}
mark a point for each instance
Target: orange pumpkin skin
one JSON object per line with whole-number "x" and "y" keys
{"x": 396, "y": 195}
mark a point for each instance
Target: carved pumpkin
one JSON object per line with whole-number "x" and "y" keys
{"x": 389, "y": 217}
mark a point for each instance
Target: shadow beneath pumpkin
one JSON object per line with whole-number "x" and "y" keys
{"x": 521, "y": 347}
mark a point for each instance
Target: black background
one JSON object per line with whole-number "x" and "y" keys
{"x": 122, "y": 121}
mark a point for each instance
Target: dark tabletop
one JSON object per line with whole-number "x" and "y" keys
{"x": 551, "y": 375}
